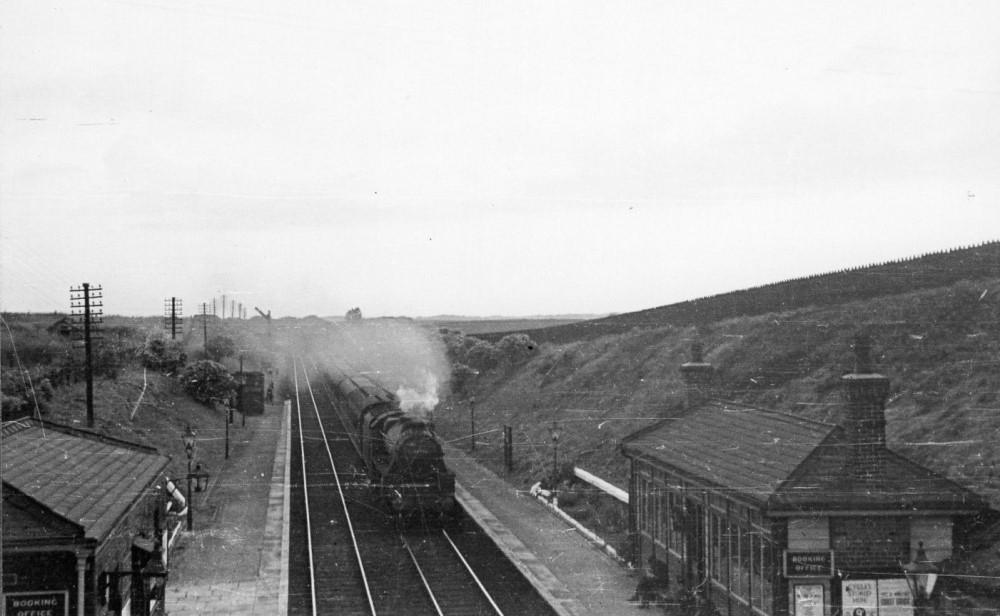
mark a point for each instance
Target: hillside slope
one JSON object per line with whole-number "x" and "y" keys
{"x": 938, "y": 346}
{"x": 929, "y": 271}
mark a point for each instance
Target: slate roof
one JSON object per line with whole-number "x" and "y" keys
{"x": 26, "y": 521}
{"x": 824, "y": 482}
{"x": 749, "y": 451}
{"x": 783, "y": 462}
{"x": 88, "y": 479}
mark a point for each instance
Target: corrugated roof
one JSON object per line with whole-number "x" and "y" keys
{"x": 749, "y": 451}
{"x": 89, "y": 479}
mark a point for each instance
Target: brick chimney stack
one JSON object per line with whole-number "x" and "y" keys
{"x": 697, "y": 375}
{"x": 866, "y": 393}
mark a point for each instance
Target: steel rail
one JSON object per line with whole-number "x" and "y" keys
{"x": 340, "y": 493}
{"x": 475, "y": 577}
{"x": 305, "y": 492}
{"x": 423, "y": 578}
{"x": 340, "y": 416}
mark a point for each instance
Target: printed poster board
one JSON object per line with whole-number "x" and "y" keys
{"x": 809, "y": 600}
{"x": 859, "y": 597}
{"x": 894, "y": 598}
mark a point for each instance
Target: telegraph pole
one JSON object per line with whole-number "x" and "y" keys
{"x": 204, "y": 324}
{"x": 87, "y": 312}
{"x": 172, "y": 309}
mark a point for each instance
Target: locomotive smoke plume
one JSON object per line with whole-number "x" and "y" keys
{"x": 403, "y": 356}
{"x": 419, "y": 401}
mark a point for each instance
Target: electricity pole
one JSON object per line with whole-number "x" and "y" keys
{"x": 86, "y": 312}
{"x": 172, "y": 309}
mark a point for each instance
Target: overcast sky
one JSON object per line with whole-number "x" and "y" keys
{"x": 480, "y": 158}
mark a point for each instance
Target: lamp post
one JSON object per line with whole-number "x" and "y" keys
{"x": 555, "y": 456}
{"x": 189, "y": 435}
{"x": 227, "y": 417}
{"x": 243, "y": 409}
{"x": 921, "y": 575}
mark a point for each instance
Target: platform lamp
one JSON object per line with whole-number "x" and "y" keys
{"x": 555, "y": 456}
{"x": 189, "y": 435}
{"x": 921, "y": 575}
{"x": 242, "y": 382}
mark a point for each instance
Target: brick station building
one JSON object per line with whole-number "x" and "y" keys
{"x": 77, "y": 505}
{"x": 751, "y": 506}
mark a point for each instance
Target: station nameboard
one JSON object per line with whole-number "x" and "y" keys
{"x": 818, "y": 564}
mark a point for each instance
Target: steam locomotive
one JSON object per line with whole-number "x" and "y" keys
{"x": 402, "y": 456}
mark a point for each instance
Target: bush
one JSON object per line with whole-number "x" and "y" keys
{"x": 482, "y": 355}
{"x": 461, "y": 379}
{"x": 163, "y": 355}
{"x": 23, "y": 390}
{"x": 207, "y": 382}
{"x": 12, "y": 407}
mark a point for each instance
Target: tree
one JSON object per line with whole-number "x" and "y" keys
{"x": 354, "y": 314}
{"x": 163, "y": 355}
{"x": 207, "y": 381}
{"x": 516, "y": 348}
{"x": 220, "y": 347}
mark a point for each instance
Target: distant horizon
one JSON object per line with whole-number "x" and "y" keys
{"x": 556, "y": 316}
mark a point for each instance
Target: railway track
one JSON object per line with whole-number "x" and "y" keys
{"x": 447, "y": 575}
{"x": 333, "y": 571}
{"x": 357, "y": 561}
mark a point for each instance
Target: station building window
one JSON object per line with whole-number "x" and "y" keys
{"x": 741, "y": 560}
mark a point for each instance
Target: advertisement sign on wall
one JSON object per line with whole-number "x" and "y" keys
{"x": 894, "y": 598}
{"x": 859, "y": 598}
{"x": 809, "y": 600}
{"x": 889, "y": 597}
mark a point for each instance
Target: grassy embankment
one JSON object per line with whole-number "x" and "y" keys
{"x": 145, "y": 407}
{"x": 938, "y": 346}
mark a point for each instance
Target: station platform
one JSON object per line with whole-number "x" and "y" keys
{"x": 576, "y": 577}
{"x": 235, "y": 561}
